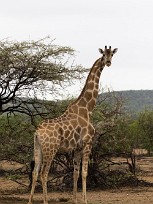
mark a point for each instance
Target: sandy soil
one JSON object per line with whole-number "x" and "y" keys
{"x": 11, "y": 191}
{"x": 14, "y": 193}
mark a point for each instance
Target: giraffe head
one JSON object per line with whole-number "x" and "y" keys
{"x": 107, "y": 55}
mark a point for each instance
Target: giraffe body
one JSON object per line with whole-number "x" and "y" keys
{"x": 72, "y": 131}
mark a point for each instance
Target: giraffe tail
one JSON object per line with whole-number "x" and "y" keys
{"x": 32, "y": 165}
{"x": 36, "y": 162}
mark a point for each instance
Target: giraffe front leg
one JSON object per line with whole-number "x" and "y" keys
{"x": 85, "y": 160}
{"x": 77, "y": 159}
{"x": 84, "y": 176}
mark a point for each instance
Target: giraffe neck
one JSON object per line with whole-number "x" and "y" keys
{"x": 89, "y": 93}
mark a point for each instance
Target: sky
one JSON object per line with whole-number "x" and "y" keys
{"x": 86, "y": 25}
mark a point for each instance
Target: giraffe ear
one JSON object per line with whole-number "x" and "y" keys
{"x": 115, "y": 50}
{"x": 101, "y": 51}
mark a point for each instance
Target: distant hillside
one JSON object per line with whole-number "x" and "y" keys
{"x": 135, "y": 101}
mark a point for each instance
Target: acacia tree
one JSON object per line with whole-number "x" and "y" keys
{"x": 30, "y": 69}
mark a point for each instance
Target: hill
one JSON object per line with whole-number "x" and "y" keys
{"x": 135, "y": 101}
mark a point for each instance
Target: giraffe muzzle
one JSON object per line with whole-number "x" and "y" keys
{"x": 108, "y": 63}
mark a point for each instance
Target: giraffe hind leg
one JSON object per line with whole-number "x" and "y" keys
{"x": 47, "y": 160}
{"x": 44, "y": 175}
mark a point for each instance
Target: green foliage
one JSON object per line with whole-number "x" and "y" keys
{"x": 16, "y": 138}
{"x": 14, "y": 177}
{"x": 16, "y": 133}
{"x": 146, "y": 129}
{"x": 122, "y": 136}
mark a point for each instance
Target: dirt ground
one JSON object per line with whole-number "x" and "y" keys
{"x": 13, "y": 193}
{"x": 137, "y": 195}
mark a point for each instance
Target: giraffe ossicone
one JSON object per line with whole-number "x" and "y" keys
{"x": 72, "y": 131}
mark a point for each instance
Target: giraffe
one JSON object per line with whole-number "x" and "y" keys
{"x": 72, "y": 131}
